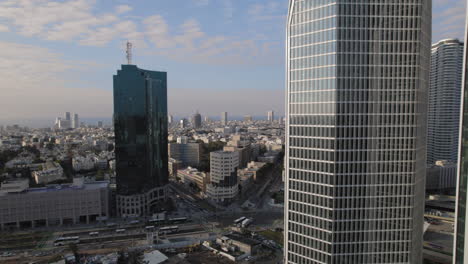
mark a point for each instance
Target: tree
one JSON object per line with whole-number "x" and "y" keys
{"x": 122, "y": 257}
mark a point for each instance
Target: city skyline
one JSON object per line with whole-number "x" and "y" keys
{"x": 100, "y": 30}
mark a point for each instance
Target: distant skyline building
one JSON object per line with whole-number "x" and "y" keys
{"x": 271, "y": 116}
{"x": 443, "y": 119}
{"x": 248, "y": 118}
{"x": 68, "y": 116}
{"x": 357, "y": 82}
{"x": 460, "y": 252}
{"x": 170, "y": 119}
{"x": 183, "y": 123}
{"x": 140, "y": 116}
{"x": 76, "y": 121}
{"x": 196, "y": 120}
{"x": 224, "y": 118}
{"x": 100, "y": 124}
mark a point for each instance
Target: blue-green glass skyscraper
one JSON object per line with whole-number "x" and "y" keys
{"x": 140, "y": 122}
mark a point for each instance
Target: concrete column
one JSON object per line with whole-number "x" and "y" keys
{"x": 33, "y": 225}
{"x": 61, "y": 221}
{"x": 18, "y": 224}
{"x": 87, "y": 219}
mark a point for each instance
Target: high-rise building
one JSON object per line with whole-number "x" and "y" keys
{"x": 140, "y": 120}
{"x": 196, "y": 120}
{"x": 443, "y": 120}
{"x": 248, "y": 118}
{"x": 224, "y": 118}
{"x": 271, "y": 116}
{"x": 68, "y": 116}
{"x": 223, "y": 186}
{"x": 357, "y": 81}
{"x": 183, "y": 123}
{"x": 100, "y": 124}
{"x": 186, "y": 152}
{"x": 170, "y": 119}
{"x": 460, "y": 252}
{"x": 76, "y": 121}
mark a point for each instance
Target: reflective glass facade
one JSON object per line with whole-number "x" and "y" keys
{"x": 140, "y": 119}
{"x": 357, "y": 81}
{"x": 443, "y": 121}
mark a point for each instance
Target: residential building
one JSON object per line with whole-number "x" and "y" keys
{"x": 357, "y": 82}
{"x": 248, "y": 118}
{"x": 140, "y": 124}
{"x": 191, "y": 176}
{"x": 49, "y": 206}
{"x": 51, "y": 171}
{"x": 174, "y": 166}
{"x": 224, "y": 118}
{"x": 460, "y": 252}
{"x": 443, "y": 118}
{"x": 187, "y": 153}
{"x": 236, "y": 144}
{"x": 223, "y": 186}
{"x": 83, "y": 163}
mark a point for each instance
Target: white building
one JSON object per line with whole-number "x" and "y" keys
{"x": 81, "y": 163}
{"x": 223, "y": 186}
{"x": 51, "y": 171}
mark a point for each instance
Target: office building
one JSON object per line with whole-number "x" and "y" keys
{"x": 186, "y": 152}
{"x": 50, "y": 206}
{"x": 357, "y": 81}
{"x": 460, "y": 252}
{"x": 224, "y": 118}
{"x": 441, "y": 177}
{"x": 443, "y": 119}
{"x": 192, "y": 177}
{"x": 100, "y": 124}
{"x": 76, "y": 121}
{"x": 183, "y": 123}
{"x": 170, "y": 119}
{"x": 271, "y": 116}
{"x": 68, "y": 116}
{"x": 196, "y": 120}
{"x": 140, "y": 116}
{"x": 223, "y": 186}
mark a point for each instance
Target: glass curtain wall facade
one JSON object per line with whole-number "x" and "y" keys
{"x": 443, "y": 119}
{"x": 140, "y": 121}
{"x": 461, "y": 230}
{"x": 357, "y": 81}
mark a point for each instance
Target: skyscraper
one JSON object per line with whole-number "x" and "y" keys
{"x": 461, "y": 229}
{"x": 75, "y": 121}
{"x": 271, "y": 116}
{"x": 170, "y": 119}
{"x": 196, "y": 120}
{"x": 443, "y": 120}
{"x": 224, "y": 118}
{"x": 357, "y": 83}
{"x": 68, "y": 116}
{"x": 140, "y": 120}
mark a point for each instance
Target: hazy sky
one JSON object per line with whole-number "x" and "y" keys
{"x": 220, "y": 55}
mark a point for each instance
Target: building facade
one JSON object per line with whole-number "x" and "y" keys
{"x": 357, "y": 80}
{"x": 140, "y": 121}
{"x": 271, "y": 116}
{"x": 76, "y": 121}
{"x": 223, "y": 186}
{"x": 21, "y": 206}
{"x": 224, "y": 118}
{"x": 196, "y": 120}
{"x": 187, "y": 153}
{"x": 460, "y": 252}
{"x": 443, "y": 120}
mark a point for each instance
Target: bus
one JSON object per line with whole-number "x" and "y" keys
{"x": 61, "y": 241}
{"x": 156, "y": 221}
{"x": 168, "y": 230}
{"x": 120, "y": 230}
{"x": 239, "y": 220}
{"x": 177, "y": 220}
{"x": 94, "y": 234}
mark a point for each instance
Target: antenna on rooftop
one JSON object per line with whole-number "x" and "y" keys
{"x": 129, "y": 52}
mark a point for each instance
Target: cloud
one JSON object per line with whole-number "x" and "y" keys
{"x": 120, "y": 9}
{"x": 448, "y": 19}
{"x": 271, "y": 10}
{"x": 34, "y": 86}
{"x": 77, "y": 21}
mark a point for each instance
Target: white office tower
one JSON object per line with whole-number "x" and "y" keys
{"x": 76, "y": 121}
{"x": 357, "y": 81}
{"x": 170, "y": 119}
{"x": 223, "y": 186}
{"x": 271, "y": 116}
{"x": 443, "y": 118}
{"x": 224, "y": 118}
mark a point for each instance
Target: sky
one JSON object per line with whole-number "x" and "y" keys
{"x": 220, "y": 55}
